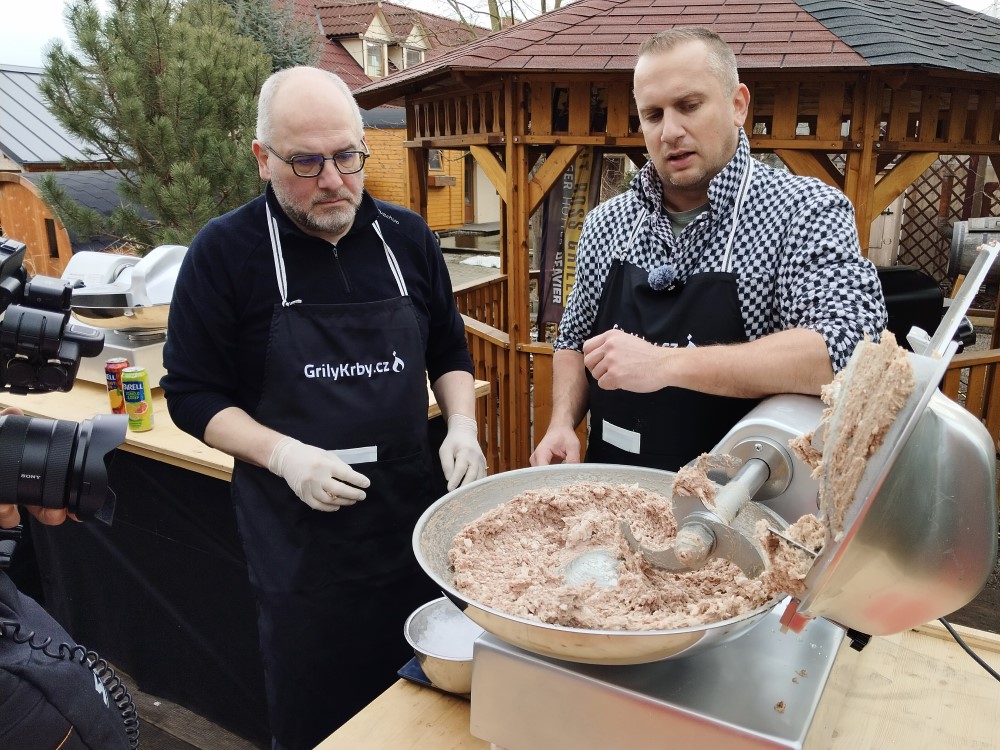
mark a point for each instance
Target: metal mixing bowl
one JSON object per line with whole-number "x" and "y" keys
{"x": 442, "y": 638}
{"x": 436, "y": 530}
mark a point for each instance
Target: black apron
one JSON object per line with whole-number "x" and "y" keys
{"x": 334, "y": 588}
{"x": 667, "y": 428}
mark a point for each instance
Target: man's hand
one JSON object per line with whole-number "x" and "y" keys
{"x": 462, "y": 459}
{"x": 559, "y": 446}
{"x": 319, "y": 478}
{"x": 621, "y": 361}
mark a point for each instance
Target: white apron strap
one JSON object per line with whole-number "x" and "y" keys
{"x": 741, "y": 197}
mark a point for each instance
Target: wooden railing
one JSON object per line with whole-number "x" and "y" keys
{"x": 484, "y": 301}
{"x": 491, "y": 357}
{"x": 971, "y": 380}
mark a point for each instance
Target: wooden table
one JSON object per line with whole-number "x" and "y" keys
{"x": 164, "y": 592}
{"x": 165, "y": 442}
{"x": 912, "y": 690}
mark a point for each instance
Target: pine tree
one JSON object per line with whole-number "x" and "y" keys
{"x": 167, "y": 90}
{"x": 287, "y": 39}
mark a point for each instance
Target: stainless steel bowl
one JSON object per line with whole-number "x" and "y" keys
{"x": 442, "y": 638}
{"x": 437, "y": 527}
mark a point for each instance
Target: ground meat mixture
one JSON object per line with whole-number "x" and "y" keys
{"x": 512, "y": 559}
{"x": 863, "y": 401}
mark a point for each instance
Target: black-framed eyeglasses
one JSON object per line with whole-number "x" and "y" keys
{"x": 310, "y": 165}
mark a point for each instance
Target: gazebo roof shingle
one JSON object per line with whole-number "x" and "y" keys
{"x": 604, "y": 35}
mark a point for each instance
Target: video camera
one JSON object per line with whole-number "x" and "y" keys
{"x": 40, "y": 349}
{"x": 51, "y": 463}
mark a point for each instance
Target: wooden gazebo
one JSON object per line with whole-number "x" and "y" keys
{"x": 864, "y": 95}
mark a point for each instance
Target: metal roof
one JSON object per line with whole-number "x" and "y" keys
{"x": 29, "y": 134}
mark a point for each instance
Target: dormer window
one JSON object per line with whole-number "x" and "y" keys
{"x": 412, "y": 57}
{"x": 374, "y": 59}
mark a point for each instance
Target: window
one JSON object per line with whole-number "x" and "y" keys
{"x": 412, "y": 57}
{"x": 50, "y": 235}
{"x": 434, "y": 160}
{"x": 374, "y": 59}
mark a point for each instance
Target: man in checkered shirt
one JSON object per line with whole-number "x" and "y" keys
{"x": 715, "y": 281}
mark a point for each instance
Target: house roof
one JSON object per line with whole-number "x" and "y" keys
{"x": 347, "y": 19}
{"x": 29, "y": 134}
{"x": 336, "y": 59}
{"x": 604, "y": 35}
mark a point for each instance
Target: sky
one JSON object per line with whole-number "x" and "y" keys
{"x": 28, "y": 25}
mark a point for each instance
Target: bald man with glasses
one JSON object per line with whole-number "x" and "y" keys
{"x": 300, "y": 332}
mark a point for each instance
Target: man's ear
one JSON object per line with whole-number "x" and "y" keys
{"x": 741, "y": 105}
{"x": 262, "y": 164}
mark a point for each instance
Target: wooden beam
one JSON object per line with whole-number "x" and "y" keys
{"x": 767, "y": 143}
{"x": 900, "y": 177}
{"x": 899, "y": 115}
{"x": 637, "y": 156}
{"x": 518, "y": 271}
{"x": 859, "y": 173}
{"x": 579, "y": 108}
{"x": 547, "y": 175}
{"x": 541, "y": 108}
{"x": 416, "y": 166}
{"x": 619, "y": 100}
{"x": 831, "y": 110}
{"x": 930, "y": 109}
{"x": 492, "y": 168}
{"x": 786, "y": 109}
{"x": 957, "y": 116}
{"x": 985, "y": 116}
{"x": 812, "y": 164}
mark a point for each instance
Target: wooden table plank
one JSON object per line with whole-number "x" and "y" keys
{"x": 165, "y": 442}
{"x": 916, "y": 690}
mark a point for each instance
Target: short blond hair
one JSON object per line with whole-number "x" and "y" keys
{"x": 721, "y": 60}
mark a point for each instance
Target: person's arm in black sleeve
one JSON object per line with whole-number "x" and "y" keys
{"x": 201, "y": 331}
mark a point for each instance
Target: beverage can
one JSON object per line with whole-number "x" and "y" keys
{"x": 113, "y": 374}
{"x": 138, "y": 398}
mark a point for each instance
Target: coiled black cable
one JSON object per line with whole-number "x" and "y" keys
{"x": 113, "y": 684}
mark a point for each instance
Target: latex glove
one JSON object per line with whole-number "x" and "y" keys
{"x": 461, "y": 457}
{"x": 319, "y": 478}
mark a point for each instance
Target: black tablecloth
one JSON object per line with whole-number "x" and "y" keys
{"x": 163, "y": 593}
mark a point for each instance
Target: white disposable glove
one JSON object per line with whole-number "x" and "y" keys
{"x": 461, "y": 457}
{"x": 320, "y": 478}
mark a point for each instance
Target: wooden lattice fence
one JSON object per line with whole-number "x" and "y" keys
{"x": 952, "y": 189}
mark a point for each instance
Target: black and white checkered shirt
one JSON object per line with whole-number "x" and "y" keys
{"x": 795, "y": 252}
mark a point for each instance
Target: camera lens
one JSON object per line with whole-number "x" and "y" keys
{"x": 56, "y": 463}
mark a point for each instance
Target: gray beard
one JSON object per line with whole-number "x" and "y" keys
{"x": 336, "y": 223}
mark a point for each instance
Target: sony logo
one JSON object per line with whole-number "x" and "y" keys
{"x": 31, "y": 476}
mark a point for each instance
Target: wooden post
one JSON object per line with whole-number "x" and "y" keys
{"x": 859, "y": 174}
{"x": 518, "y": 268}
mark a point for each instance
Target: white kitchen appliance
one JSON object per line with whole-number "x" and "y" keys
{"x": 918, "y": 540}
{"x": 128, "y": 297}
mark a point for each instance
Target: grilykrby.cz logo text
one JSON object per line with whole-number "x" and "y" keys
{"x": 344, "y": 370}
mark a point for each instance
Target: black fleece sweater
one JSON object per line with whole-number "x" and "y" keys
{"x": 227, "y": 289}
